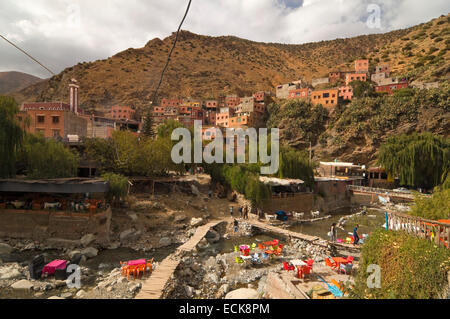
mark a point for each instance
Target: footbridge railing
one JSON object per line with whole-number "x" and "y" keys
{"x": 434, "y": 231}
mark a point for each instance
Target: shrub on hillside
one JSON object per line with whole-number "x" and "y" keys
{"x": 411, "y": 268}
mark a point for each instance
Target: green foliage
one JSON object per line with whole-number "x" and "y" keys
{"x": 376, "y": 115}
{"x": 165, "y": 130}
{"x": 304, "y": 120}
{"x": 147, "y": 128}
{"x": 419, "y": 160}
{"x": 125, "y": 154}
{"x": 118, "y": 187}
{"x": 296, "y": 164}
{"x": 438, "y": 206}
{"x": 243, "y": 178}
{"x": 11, "y": 136}
{"x": 47, "y": 158}
{"x": 411, "y": 268}
{"x": 362, "y": 89}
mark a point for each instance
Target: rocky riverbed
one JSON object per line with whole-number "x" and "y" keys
{"x": 206, "y": 273}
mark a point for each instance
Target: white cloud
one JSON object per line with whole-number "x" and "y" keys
{"x": 62, "y": 33}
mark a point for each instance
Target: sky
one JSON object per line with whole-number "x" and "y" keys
{"x": 62, "y": 33}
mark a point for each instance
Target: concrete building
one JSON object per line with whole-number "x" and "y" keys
{"x": 383, "y": 68}
{"x": 171, "y": 102}
{"x": 390, "y": 88}
{"x": 346, "y": 93}
{"x": 362, "y": 66}
{"x": 350, "y": 77}
{"x": 122, "y": 112}
{"x": 299, "y": 94}
{"x": 328, "y": 98}
{"x": 55, "y": 119}
{"x": 282, "y": 91}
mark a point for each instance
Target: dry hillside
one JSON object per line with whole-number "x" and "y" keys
{"x": 204, "y": 67}
{"x": 15, "y": 81}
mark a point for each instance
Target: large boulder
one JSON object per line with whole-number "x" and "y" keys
{"x": 129, "y": 235}
{"x": 89, "y": 252}
{"x": 212, "y": 236}
{"x": 22, "y": 285}
{"x": 165, "y": 241}
{"x": 5, "y": 249}
{"x": 8, "y": 273}
{"x": 87, "y": 240}
{"x": 243, "y": 293}
{"x": 195, "y": 190}
{"x": 196, "y": 222}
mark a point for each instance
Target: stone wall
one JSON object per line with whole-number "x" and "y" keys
{"x": 42, "y": 225}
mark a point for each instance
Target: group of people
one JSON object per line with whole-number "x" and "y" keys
{"x": 333, "y": 234}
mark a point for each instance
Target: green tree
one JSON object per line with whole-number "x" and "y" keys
{"x": 11, "y": 136}
{"x": 362, "y": 89}
{"x": 147, "y": 129}
{"x": 118, "y": 187}
{"x": 47, "y": 158}
{"x": 296, "y": 164}
{"x": 419, "y": 160}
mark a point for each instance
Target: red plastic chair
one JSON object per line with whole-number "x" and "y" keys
{"x": 288, "y": 267}
{"x": 246, "y": 252}
{"x": 310, "y": 262}
{"x": 330, "y": 264}
{"x": 299, "y": 272}
{"x": 350, "y": 259}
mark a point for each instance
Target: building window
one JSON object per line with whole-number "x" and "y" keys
{"x": 55, "y": 119}
{"x": 56, "y": 133}
{"x": 325, "y": 95}
{"x": 41, "y": 118}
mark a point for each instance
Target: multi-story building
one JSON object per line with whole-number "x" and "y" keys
{"x": 55, "y": 119}
{"x": 282, "y": 91}
{"x": 232, "y": 101}
{"x": 223, "y": 117}
{"x": 122, "y": 112}
{"x": 334, "y": 76}
{"x": 171, "y": 102}
{"x": 328, "y": 98}
{"x": 212, "y": 104}
{"x": 362, "y": 66}
{"x": 346, "y": 93}
{"x": 383, "y": 68}
{"x": 350, "y": 77}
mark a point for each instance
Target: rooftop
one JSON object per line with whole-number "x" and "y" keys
{"x": 58, "y": 186}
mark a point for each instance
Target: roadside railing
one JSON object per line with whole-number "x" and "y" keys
{"x": 380, "y": 191}
{"x": 431, "y": 230}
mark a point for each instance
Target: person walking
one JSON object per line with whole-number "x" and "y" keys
{"x": 231, "y": 211}
{"x": 241, "y": 212}
{"x": 356, "y": 235}
{"x": 333, "y": 233}
{"x": 236, "y": 226}
{"x": 245, "y": 212}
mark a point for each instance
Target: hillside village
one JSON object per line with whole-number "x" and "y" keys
{"x": 94, "y": 184}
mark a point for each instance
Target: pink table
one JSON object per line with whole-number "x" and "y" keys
{"x": 56, "y": 264}
{"x": 137, "y": 262}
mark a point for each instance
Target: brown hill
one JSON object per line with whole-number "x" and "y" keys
{"x": 15, "y": 81}
{"x": 204, "y": 67}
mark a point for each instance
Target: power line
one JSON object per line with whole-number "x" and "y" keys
{"x": 28, "y": 55}
{"x": 155, "y": 96}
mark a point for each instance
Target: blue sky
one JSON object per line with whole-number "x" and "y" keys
{"x": 62, "y": 33}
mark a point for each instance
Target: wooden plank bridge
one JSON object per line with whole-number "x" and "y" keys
{"x": 291, "y": 234}
{"x": 154, "y": 286}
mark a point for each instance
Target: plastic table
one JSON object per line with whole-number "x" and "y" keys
{"x": 53, "y": 266}
{"x": 137, "y": 262}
